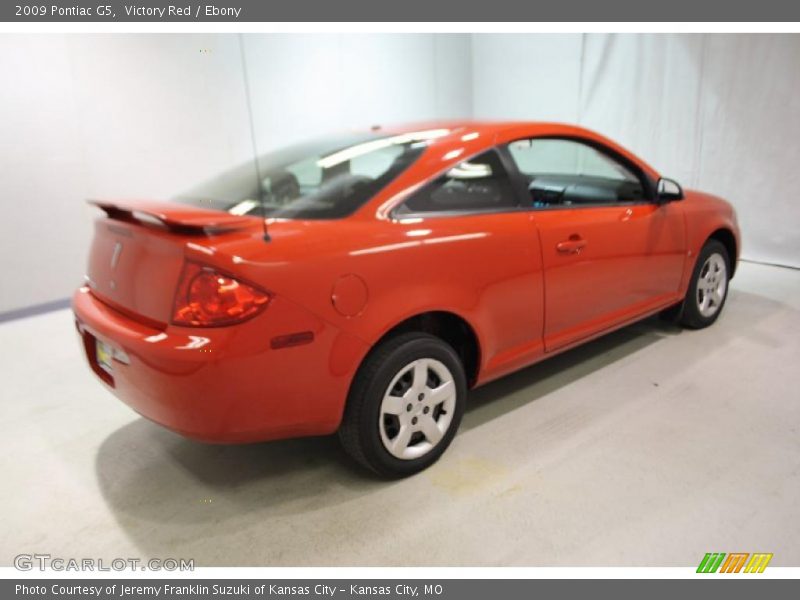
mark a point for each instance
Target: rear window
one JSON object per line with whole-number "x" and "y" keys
{"x": 327, "y": 178}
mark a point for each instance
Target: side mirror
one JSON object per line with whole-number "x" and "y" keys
{"x": 668, "y": 190}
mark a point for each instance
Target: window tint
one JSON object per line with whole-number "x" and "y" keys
{"x": 477, "y": 184}
{"x": 563, "y": 172}
{"x": 327, "y": 178}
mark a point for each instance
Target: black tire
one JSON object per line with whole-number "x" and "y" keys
{"x": 690, "y": 313}
{"x": 361, "y": 429}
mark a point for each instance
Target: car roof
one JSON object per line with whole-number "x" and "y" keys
{"x": 458, "y": 126}
{"x": 501, "y": 131}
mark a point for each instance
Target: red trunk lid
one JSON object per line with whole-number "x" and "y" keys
{"x": 138, "y": 252}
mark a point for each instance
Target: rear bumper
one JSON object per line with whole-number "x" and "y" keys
{"x": 225, "y": 384}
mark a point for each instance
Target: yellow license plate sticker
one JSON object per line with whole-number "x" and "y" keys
{"x": 104, "y": 355}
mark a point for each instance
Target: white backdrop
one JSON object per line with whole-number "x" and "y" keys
{"x": 302, "y": 85}
{"x": 720, "y": 113}
{"x": 146, "y": 115}
{"x": 149, "y": 115}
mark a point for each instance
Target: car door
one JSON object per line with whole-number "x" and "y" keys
{"x": 609, "y": 251}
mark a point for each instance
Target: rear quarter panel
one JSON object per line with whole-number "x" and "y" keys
{"x": 484, "y": 268}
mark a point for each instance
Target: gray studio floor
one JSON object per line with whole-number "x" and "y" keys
{"x": 649, "y": 447}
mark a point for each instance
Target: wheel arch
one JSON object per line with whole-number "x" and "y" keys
{"x": 726, "y": 237}
{"x": 448, "y": 326}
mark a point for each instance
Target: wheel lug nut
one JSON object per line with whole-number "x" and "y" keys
{"x": 408, "y": 408}
{"x": 421, "y": 397}
{"x": 426, "y": 410}
{"x": 414, "y": 421}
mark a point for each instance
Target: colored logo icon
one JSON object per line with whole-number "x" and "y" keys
{"x": 737, "y": 562}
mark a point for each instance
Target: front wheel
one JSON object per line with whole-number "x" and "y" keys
{"x": 708, "y": 289}
{"x": 405, "y": 405}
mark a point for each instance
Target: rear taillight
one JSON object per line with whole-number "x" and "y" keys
{"x": 208, "y": 298}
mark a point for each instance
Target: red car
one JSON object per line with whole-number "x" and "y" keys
{"x": 363, "y": 283}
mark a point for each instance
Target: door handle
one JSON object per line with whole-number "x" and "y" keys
{"x": 573, "y": 245}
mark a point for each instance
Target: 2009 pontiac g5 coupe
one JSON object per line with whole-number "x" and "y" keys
{"x": 363, "y": 283}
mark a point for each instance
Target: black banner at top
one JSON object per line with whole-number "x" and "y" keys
{"x": 176, "y": 11}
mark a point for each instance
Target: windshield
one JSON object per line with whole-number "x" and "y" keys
{"x": 327, "y": 178}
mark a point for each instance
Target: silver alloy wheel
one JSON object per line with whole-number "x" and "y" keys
{"x": 417, "y": 408}
{"x": 712, "y": 284}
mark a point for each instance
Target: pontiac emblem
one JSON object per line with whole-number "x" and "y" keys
{"x": 114, "y": 260}
{"x": 115, "y": 255}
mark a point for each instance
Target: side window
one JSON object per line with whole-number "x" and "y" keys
{"x": 478, "y": 184}
{"x": 561, "y": 172}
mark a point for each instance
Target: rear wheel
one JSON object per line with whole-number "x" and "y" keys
{"x": 708, "y": 289}
{"x": 405, "y": 405}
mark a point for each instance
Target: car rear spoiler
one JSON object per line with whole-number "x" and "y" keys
{"x": 178, "y": 218}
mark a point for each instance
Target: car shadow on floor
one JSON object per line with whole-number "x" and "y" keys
{"x": 501, "y": 396}
{"x": 169, "y": 494}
